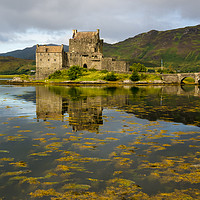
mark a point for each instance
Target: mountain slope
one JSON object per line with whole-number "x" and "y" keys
{"x": 176, "y": 47}
{"x": 11, "y": 65}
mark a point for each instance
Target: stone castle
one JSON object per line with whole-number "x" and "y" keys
{"x": 85, "y": 50}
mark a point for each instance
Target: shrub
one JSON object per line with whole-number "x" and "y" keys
{"x": 143, "y": 76}
{"x": 55, "y": 75}
{"x": 25, "y": 77}
{"x": 110, "y": 77}
{"x": 151, "y": 70}
{"x": 104, "y": 71}
{"x": 74, "y": 72}
{"x": 93, "y": 70}
{"x": 134, "y": 76}
{"x": 138, "y": 67}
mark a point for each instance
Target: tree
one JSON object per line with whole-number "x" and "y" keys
{"x": 135, "y": 76}
{"x": 138, "y": 67}
{"x": 74, "y": 72}
{"x": 110, "y": 77}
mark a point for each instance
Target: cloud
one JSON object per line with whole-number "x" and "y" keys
{"x": 117, "y": 19}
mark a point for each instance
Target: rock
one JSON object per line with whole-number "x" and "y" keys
{"x": 93, "y": 82}
{"x": 158, "y": 82}
{"x": 127, "y": 81}
{"x": 142, "y": 82}
{"x": 17, "y": 79}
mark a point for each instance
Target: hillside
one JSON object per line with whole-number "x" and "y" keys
{"x": 178, "y": 47}
{"x": 10, "y": 65}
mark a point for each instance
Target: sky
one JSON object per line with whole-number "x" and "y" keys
{"x": 24, "y": 23}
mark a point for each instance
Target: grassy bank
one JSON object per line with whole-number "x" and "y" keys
{"x": 8, "y": 76}
{"x": 94, "y": 75}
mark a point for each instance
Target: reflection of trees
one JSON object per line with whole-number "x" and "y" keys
{"x": 85, "y": 104}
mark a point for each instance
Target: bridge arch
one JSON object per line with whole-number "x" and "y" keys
{"x": 190, "y": 80}
{"x": 183, "y": 76}
{"x": 178, "y": 78}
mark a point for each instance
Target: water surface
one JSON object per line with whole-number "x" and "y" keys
{"x": 99, "y": 142}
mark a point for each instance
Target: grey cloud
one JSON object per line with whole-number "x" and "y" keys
{"x": 3, "y": 38}
{"x": 117, "y": 19}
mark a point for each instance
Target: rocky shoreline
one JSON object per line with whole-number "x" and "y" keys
{"x": 18, "y": 80}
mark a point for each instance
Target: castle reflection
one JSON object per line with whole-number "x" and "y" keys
{"x": 83, "y": 106}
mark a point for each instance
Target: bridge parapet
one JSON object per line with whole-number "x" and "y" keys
{"x": 178, "y": 78}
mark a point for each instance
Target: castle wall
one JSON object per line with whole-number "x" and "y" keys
{"x": 48, "y": 60}
{"x": 113, "y": 65}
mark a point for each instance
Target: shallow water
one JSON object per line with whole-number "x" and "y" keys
{"x": 99, "y": 142}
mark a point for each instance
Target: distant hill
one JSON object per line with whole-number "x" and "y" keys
{"x": 11, "y": 65}
{"x": 27, "y": 53}
{"x": 178, "y": 47}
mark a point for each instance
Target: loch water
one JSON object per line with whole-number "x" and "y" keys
{"x": 127, "y": 142}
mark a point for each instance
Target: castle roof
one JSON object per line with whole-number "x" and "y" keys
{"x": 49, "y": 49}
{"x": 84, "y": 35}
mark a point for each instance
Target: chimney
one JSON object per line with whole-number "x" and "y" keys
{"x": 74, "y": 33}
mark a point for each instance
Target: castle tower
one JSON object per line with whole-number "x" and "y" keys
{"x": 48, "y": 60}
{"x": 85, "y": 43}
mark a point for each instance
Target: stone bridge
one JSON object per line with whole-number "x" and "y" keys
{"x": 178, "y": 78}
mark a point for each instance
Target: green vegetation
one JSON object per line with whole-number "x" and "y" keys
{"x": 74, "y": 72}
{"x": 111, "y": 76}
{"x": 10, "y": 66}
{"x": 138, "y": 67}
{"x": 7, "y": 76}
{"x": 135, "y": 76}
{"x": 178, "y": 48}
{"x": 77, "y": 74}
{"x": 58, "y": 74}
{"x": 189, "y": 80}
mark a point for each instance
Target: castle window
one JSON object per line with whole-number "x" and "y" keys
{"x": 54, "y": 59}
{"x": 48, "y": 59}
{"x": 40, "y": 59}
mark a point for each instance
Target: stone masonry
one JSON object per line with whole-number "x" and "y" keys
{"x": 85, "y": 50}
{"x": 48, "y": 60}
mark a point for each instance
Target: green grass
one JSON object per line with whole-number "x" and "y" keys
{"x": 189, "y": 80}
{"x": 99, "y": 75}
{"x": 8, "y": 76}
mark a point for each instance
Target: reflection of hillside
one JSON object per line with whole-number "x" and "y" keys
{"x": 84, "y": 105}
{"x": 169, "y": 103}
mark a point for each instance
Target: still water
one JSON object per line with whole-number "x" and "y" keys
{"x": 99, "y": 142}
